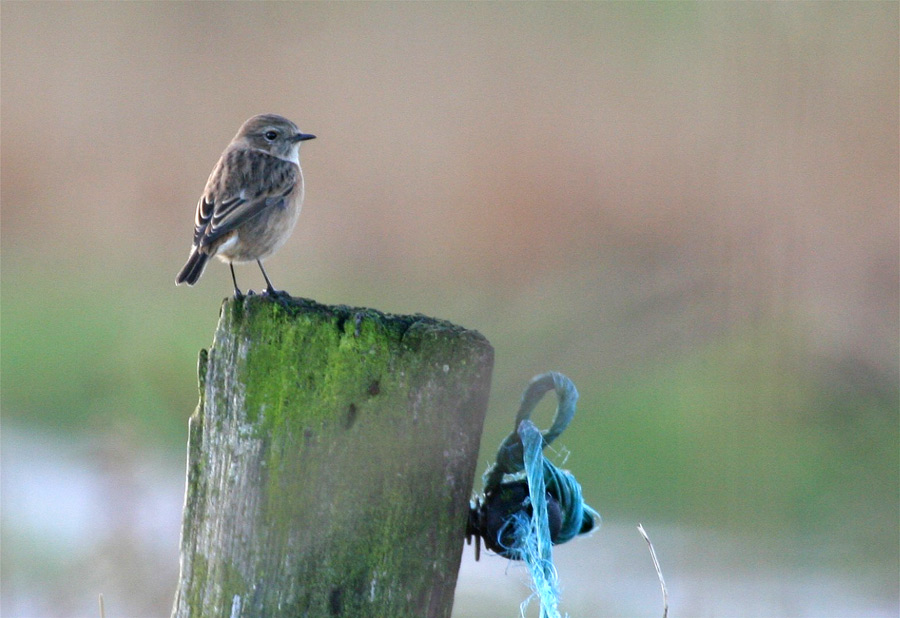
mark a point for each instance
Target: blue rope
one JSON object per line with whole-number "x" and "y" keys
{"x": 510, "y": 455}
{"x": 523, "y": 523}
{"x": 534, "y": 533}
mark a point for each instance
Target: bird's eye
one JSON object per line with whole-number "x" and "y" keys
{"x": 271, "y": 135}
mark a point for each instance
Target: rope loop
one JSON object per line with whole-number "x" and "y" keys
{"x": 529, "y": 504}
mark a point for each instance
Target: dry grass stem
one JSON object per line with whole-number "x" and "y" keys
{"x": 662, "y": 582}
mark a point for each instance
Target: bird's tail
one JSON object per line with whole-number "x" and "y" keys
{"x": 195, "y": 266}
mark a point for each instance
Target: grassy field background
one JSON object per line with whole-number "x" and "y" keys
{"x": 691, "y": 210}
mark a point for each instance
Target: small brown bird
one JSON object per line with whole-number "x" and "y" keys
{"x": 252, "y": 199}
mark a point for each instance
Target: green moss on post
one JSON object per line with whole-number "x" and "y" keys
{"x": 330, "y": 462}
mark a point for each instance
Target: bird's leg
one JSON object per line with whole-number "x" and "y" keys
{"x": 270, "y": 289}
{"x": 237, "y": 292}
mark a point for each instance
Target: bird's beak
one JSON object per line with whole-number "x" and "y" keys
{"x": 302, "y": 137}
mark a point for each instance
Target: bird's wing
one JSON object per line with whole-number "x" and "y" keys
{"x": 235, "y": 197}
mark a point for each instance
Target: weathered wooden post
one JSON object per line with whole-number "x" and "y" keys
{"x": 330, "y": 462}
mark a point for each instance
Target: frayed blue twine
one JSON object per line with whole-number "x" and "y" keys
{"x": 529, "y": 504}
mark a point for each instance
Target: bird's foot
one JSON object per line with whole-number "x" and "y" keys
{"x": 279, "y": 295}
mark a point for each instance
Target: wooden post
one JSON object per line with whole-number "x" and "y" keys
{"x": 330, "y": 462}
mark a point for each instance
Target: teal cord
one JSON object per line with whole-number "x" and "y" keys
{"x": 535, "y": 533}
{"x": 509, "y": 455}
{"x": 523, "y": 523}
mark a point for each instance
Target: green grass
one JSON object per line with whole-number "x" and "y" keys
{"x": 715, "y": 438}
{"x": 78, "y": 359}
{"x": 746, "y": 430}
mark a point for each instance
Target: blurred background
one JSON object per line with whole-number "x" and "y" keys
{"x": 689, "y": 209}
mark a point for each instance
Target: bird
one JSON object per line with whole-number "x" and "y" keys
{"x": 251, "y": 201}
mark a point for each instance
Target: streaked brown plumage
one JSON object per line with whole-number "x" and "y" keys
{"x": 252, "y": 199}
